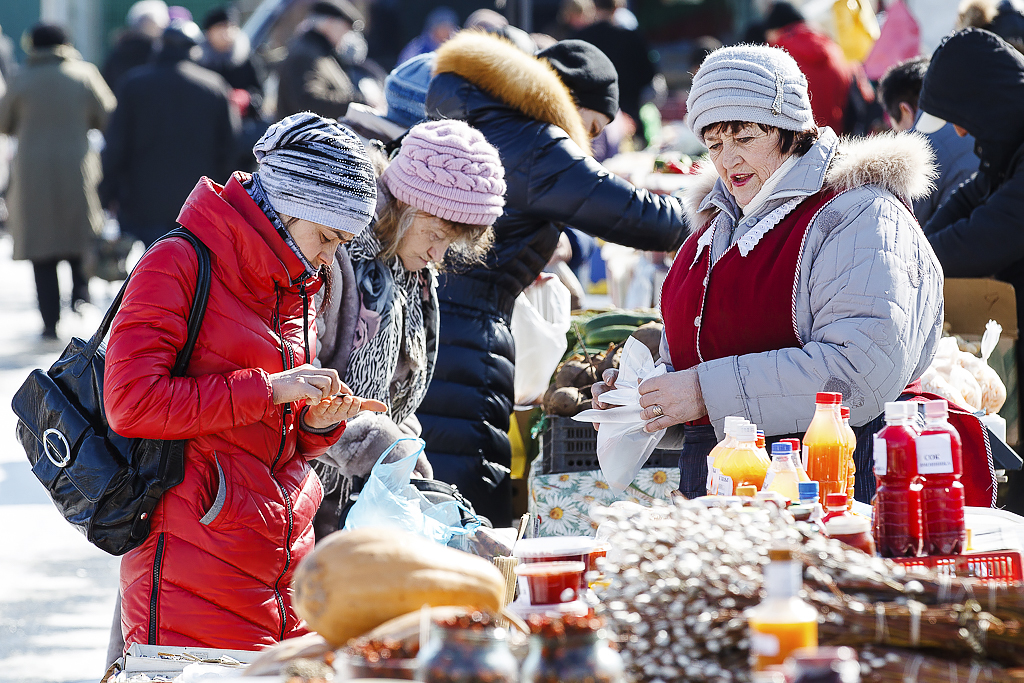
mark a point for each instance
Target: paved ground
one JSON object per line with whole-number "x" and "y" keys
{"x": 56, "y": 589}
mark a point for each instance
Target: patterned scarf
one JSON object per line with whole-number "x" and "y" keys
{"x": 391, "y": 361}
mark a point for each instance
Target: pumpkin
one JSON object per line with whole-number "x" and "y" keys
{"x": 354, "y": 581}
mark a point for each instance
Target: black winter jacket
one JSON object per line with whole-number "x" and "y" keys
{"x": 551, "y": 182}
{"x": 312, "y": 79}
{"x": 173, "y": 125}
{"x": 976, "y": 81}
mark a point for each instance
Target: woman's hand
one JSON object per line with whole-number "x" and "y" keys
{"x": 671, "y": 399}
{"x": 599, "y": 388}
{"x": 306, "y": 382}
{"x": 335, "y": 409}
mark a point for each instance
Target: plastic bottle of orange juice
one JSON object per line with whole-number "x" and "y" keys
{"x": 825, "y": 446}
{"x": 761, "y": 447}
{"x": 798, "y": 458}
{"x": 724, "y": 446}
{"x": 744, "y": 465}
{"x": 783, "y": 622}
{"x": 782, "y": 476}
{"x": 851, "y": 480}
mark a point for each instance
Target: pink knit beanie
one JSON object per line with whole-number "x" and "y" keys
{"x": 448, "y": 169}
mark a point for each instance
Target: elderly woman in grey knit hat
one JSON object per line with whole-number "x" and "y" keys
{"x": 805, "y": 272}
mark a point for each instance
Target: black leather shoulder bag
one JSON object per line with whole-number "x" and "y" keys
{"x": 104, "y": 484}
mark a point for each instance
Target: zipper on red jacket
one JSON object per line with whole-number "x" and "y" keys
{"x": 288, "y": 360}
{"x": 154, "y": 591}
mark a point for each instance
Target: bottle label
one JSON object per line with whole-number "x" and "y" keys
{"x": 723, "y": 484}
{"x": 766, "y": 644}
{"x": 711, "y": 474}
{"x": 934, "y": 454}
{"x": 768, "y": 479}
{"x": 805, "y": 455}
{"x": 881, "y": 457}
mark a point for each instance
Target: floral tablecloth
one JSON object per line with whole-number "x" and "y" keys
{"x": 561, "y": 503}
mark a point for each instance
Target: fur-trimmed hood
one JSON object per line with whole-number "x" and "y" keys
{"x": 521, "y": 81}
{"x": 902, "y": 163}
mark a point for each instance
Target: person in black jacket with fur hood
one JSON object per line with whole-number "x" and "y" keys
{"x": 976, "y": 82}
{"x": 523, "y": 106}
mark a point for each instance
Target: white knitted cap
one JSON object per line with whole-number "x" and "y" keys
{"x": 751, "y": 83}
{"x": 315, "y": 169}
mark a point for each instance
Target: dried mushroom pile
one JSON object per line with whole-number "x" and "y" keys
{"x": 684, "y": 572}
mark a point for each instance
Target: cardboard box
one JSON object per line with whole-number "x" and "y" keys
{"x": 970, "y": 304}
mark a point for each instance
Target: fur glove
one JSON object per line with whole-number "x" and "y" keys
{"x": 366, "y": 437}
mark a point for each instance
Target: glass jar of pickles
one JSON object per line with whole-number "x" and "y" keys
{"x": 468, "y": 649}
{"x": 570, "y": 649}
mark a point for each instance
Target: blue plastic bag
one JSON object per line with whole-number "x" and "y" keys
{"x": 388, "y": 499}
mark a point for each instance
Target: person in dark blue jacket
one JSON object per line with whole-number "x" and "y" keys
{"x": 542, "y": 129}
{"x": 976, "y": 82}
{"x": 955, "y": 160}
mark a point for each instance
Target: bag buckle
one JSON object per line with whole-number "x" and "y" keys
{"x": 51, "y": 450}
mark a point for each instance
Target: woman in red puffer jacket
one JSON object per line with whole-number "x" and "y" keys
{"x": 216, "y": 569}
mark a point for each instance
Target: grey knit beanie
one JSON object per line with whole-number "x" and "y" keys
{"x": 752, "y": 83}
{"x": 312, "y": 168}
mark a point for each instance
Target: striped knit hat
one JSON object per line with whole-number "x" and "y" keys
{"x": 448, "y": 169}
{"x": 751, "y": 83}
{"x": 312, "y": 168}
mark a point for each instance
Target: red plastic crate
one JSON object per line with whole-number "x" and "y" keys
{"x": 1004, "y": 565}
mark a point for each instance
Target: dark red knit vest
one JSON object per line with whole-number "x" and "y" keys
{"x": 746, "y": 304}
{"x": 740, "y": 304}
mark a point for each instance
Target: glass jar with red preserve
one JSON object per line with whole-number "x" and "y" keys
{"x": 467, "y": 649}
{"x": 570, "y": 649}
{"x": 898, "y": 527}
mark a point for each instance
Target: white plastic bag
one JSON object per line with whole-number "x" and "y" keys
{"x": 388, "y": 499}
{"x": 540, "y": 319}
{"x": 622, "y": 444}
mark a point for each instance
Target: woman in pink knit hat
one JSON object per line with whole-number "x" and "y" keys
{"x": 436, "y": 202}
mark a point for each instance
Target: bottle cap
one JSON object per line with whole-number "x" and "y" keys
{"x": 828, "y": 398}
{"x": 898, "y": 410}
{"x": 746, "y": 431}
{"x": 836, "y": 500}
{"x": 807, "y": 490}
{"x": 780, "y": 554}
{"x": 795, "y": 443}
{"x": 844, "y": 412}
{"x": 746, "y": 491}
{"x": 935, "y": 409}
{"x": 781, "y": 448}
{"x": 731, "y": 422}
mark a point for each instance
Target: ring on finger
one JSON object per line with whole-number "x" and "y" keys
{"x": 658, "y": 412}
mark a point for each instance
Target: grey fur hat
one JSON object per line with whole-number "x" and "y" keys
{"x": 752, "y": 83}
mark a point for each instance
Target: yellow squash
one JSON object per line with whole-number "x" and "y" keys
{"x": 354, "y": 581}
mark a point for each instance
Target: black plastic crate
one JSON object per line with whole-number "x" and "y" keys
{"x": 571, "y": 446}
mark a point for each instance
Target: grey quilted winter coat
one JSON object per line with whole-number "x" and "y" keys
{"x": 869, "y": 296}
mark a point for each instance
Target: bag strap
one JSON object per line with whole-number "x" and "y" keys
{"x": 195, "y": 317}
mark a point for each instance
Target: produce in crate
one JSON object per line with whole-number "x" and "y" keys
{"x": 353, "y": 581}
{"x": 604, "y": 335}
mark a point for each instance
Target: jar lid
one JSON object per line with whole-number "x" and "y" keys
{"x": 553, "y": 546}
{"x": 835, "y": 500}
{"x": 847, "y": 524}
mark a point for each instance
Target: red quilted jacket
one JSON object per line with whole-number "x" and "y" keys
{"x": 216, "y": 568}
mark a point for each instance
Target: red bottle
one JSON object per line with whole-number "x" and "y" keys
{"x": 940, "y": 461}
{"x": 898, "y": 527}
